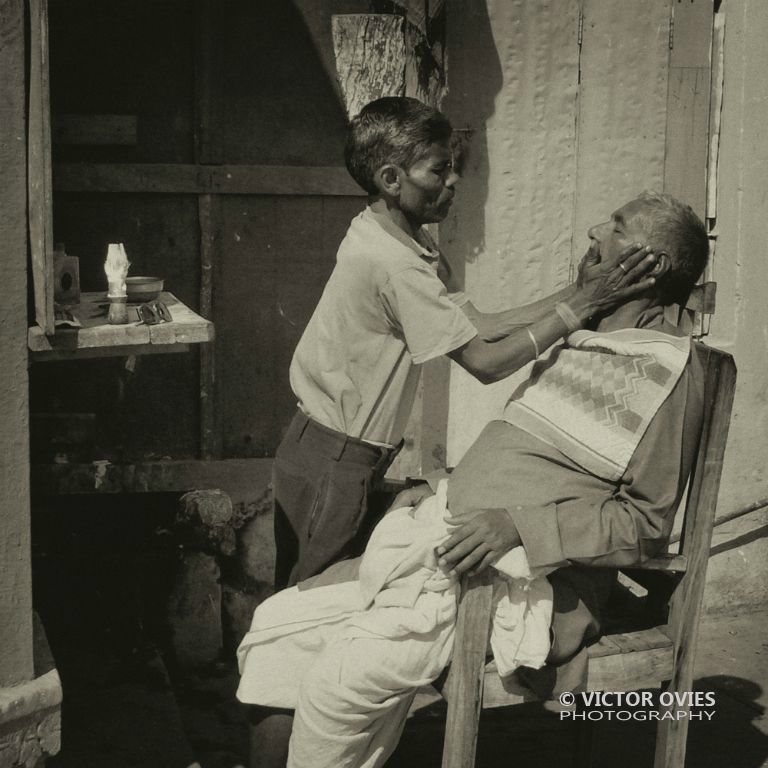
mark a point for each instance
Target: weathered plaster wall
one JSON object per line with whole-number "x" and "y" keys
{"x": 738, "y": 572}
{"x": 15, "y": 576}
{"x": 561, "y": 133}
{"x": 512, "y": 87}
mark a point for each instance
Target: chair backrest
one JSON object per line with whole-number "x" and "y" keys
{"x": 719, "y": 387}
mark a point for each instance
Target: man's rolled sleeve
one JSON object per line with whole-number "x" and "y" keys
{"x": 418, "y": 305}
{"x": 539, "y": 532}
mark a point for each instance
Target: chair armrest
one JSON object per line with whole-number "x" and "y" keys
{"x": 665, "y": 562}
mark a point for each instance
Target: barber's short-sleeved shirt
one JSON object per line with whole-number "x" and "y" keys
{"x": 383, "y": 312}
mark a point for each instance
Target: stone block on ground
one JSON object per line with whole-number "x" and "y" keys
{"x": 30, "y": 713}
{"x": 207, "y": 519}
{"x": 194, "y": 611}
{"x": 238, "y": 605}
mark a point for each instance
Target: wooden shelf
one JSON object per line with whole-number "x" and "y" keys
{"x": 97, "y": 338}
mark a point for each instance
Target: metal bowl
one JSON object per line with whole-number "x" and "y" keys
{"x": 142, "y": 288}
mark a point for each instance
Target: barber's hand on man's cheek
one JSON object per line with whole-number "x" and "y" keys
{"x": 478, "y": 539}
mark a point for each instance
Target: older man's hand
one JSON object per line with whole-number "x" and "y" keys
{"x": 410, "y": 497}
{"x": 477, "y": 540}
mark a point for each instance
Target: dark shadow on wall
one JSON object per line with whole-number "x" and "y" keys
{"x": 275, "y": 104}
{"x": 474, "y": 80}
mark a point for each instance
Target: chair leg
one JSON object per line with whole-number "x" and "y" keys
{"x": 464, "y": 687}
{"x": 671, "y": 738}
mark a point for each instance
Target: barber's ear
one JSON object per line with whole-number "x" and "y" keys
{"x": 662, "y": 266}
{"x": 387, "y": 180}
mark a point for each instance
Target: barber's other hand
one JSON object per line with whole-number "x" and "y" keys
{"x": 605, "y": 285}
{"x": 477, "y": 540}
{"x": 410, "y": 497}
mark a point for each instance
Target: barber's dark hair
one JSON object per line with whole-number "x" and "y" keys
{"x": 394, "y": 129}
{"x": 673, "y": 227}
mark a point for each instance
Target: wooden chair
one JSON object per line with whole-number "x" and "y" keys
{"x": 660, "y": 655}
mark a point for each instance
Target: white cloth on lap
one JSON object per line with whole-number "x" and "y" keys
{"x": 329, "y": 652}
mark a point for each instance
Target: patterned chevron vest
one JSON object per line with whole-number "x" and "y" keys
{"x": 594, "y": 396}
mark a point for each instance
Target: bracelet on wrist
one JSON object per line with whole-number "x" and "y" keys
{"x": 533, "y": 341}
{"x": 568, "y": 316}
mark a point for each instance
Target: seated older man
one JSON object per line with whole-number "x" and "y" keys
{"x": 587, "y": 465}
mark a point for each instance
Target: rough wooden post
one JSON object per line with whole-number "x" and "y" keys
{"x": 39, "y": 163}
{"x": 15, "y": 573}
{"x": 370, "y": 57}
{"x": 207, "y": 151}
{"x": 30, "y": 689}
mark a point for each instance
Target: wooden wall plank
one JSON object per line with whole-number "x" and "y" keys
{"x": 210, "y": 429}
{"x": 39, "y": 166}
{"x": 276, "y": 104}
{"x": 622, "y": 107}
{"x": 16, "y": 660}
{"x": 715, "y": 115}
{"x": 278, "y": 255}
{"x": 688, "y": 104}
{"x": 193, "y": 179}
{"x": 207, "y": 149}
{"x": 118, "y": 58}
{"x": 685, "y": 166}
{"x": 95, "y": 130}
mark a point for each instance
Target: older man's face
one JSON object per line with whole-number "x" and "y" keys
{"x": 626, "y": 225}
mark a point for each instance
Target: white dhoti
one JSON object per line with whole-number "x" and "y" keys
{"x": 349, "y": 657}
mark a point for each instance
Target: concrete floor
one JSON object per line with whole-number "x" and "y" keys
{"x": 732, "y": 662}
{"x": 133, "y": 716}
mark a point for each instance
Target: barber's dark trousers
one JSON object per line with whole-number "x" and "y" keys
{"x": 322, "y": 483}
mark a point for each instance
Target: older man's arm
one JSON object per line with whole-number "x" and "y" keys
{"x": 635, "y": 522}
{"x": 619, "y": 529}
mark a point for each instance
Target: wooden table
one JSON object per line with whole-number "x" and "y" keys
{"x": 97, "y": 338}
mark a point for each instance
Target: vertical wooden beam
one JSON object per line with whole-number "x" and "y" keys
{"x": 207, "y": 151}
{"x": 15, "y": 572}
{"x": 210, "y": 430}
{"x": 688, "y": 100}
{"x": 715, "y": 114}
{"x": 688, "y": 113}
{"x": 39, "y": 166}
